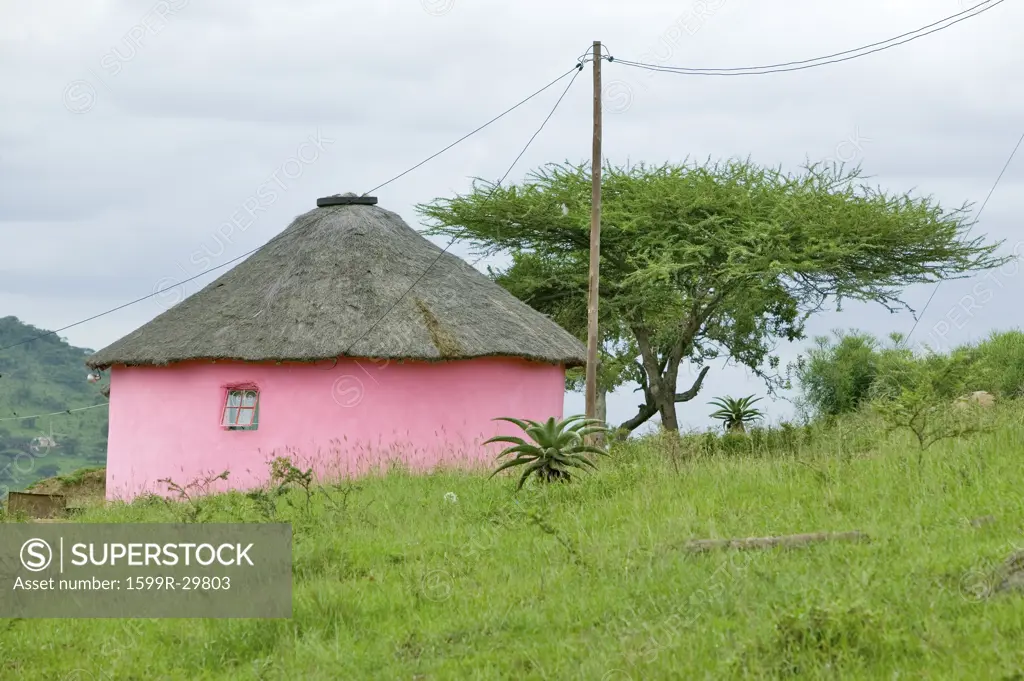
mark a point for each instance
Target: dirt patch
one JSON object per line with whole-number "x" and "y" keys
{"x": 84, "y": 486}
{"x": 1013, "y": 573}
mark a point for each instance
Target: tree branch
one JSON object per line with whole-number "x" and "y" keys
{"x": 643, "y": 416}
{"x": 694, "y": 389}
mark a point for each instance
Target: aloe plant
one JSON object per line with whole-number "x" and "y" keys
{"x": 736, "y": 413}
{"x": 556, "y": 447}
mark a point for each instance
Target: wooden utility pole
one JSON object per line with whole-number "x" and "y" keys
{"x": 595, "y": 242}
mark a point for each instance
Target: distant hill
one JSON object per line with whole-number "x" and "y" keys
{"x": 41, "y": 377}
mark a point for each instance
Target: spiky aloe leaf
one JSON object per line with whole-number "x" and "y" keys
{"x": 532, "y": 468}
{"x": 560, "y": 458}
{"x": 584, "y": 422}
{"x": 565, "y": 440}
{"x": 549, "y": 428}
{"x": 539, "y": 435}
{"x": 529, "y": 450}
{"x": 592, "y": 430}
{"x": 522, "y": 423}
{"x": 511, "y": 439}
{"x": 582, "y": 462}
{"x": 511, "y": 464}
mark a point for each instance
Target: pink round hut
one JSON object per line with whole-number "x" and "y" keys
{"x": 346, "y": 343}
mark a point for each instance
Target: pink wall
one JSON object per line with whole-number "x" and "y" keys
{"x": 344, "y": 419}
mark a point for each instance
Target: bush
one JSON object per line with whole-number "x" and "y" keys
{"x": 736, "y": 413}
{"x": 557, "y": 447}
{"x": 842, "y": 374}
{"x": 837, "y": 375}
{"x": 942, "y": 377}
{"x": 1000, "y": 364}
{"x": 916, "y": 395}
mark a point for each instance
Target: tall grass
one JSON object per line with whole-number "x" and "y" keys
{"x": 590, "y": 581}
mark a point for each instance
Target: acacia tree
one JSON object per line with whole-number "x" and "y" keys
{"x": 698, "y": 260}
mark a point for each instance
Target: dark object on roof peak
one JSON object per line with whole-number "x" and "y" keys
{"x": 346, "y": 199}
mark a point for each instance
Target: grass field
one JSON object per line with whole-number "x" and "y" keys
{"x": 590, "y": 580}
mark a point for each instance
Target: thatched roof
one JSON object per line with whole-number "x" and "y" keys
{"x": 314, "y": 292}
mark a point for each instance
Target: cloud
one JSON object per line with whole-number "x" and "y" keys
{"x": 111, "y": 187}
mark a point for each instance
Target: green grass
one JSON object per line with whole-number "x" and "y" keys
{"x": 589, "y": 580}
{"x": 77, "y": 477}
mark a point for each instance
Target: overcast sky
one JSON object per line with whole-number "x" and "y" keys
{"x": 132, "y": 132}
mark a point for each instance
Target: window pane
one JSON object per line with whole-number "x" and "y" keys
{"x": 249, "y": 399}
{"x": 234, "y": 398}
{"x": 230, "y": 414}
{"x": 245, "y": 417}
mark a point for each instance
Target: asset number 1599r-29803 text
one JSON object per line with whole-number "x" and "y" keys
{"x": 179, "y": 583}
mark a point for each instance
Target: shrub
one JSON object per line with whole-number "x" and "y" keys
{"x": 840, "y": 375}
{"x": 735, "y": 414}
{"x": 837, "y": 375}
{"x": 1000, "y": 364}
{"x": 557, "y": 447}
{"x": 940, "y": 376}
{"x": 916, "y": 395}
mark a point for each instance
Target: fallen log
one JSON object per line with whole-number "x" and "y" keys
{"x": 702, "y": 545}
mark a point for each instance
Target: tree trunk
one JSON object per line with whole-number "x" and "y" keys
{"x": 666, "y": 404}
{"x": 649, "y": 408}
{"x": 660, "y": 392}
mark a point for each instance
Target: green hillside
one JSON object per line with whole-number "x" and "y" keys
{"x": 37, "y": 379}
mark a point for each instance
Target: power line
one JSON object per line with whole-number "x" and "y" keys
{"x": 54, "y": 413}
{"x": 575, "y": 68}
{"x": 976, "y": 218}
{"x": 977, "y": 10}
{"x": 578, "y": 68}
{"x": 857, "y": 49}
{"x": 507, "y": 111}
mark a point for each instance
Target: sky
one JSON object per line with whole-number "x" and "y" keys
{"x": 134, "y": 136}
